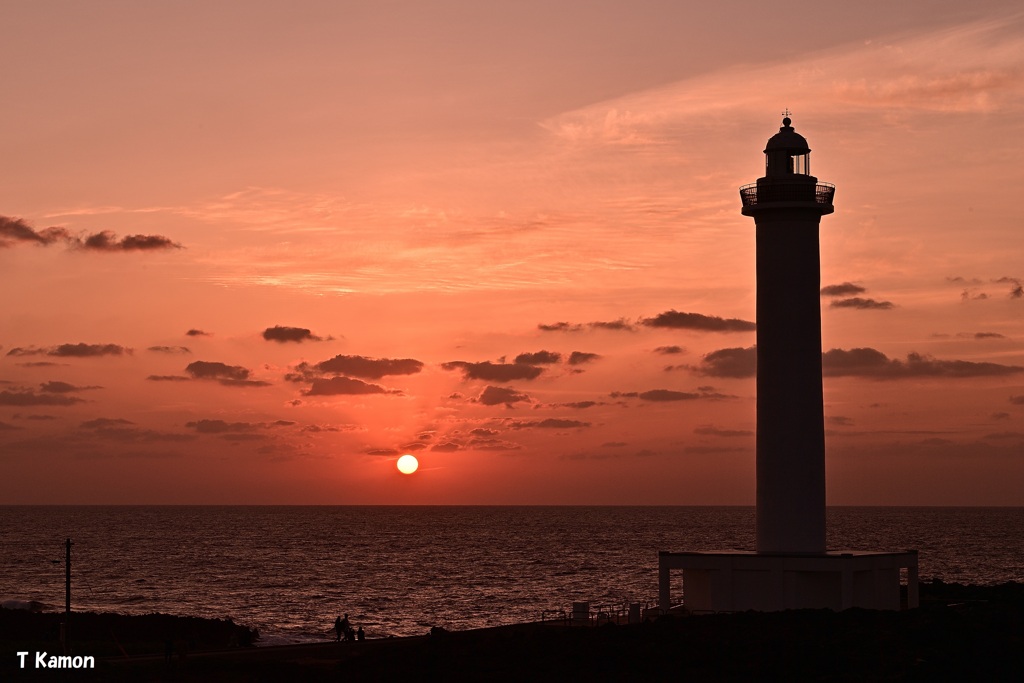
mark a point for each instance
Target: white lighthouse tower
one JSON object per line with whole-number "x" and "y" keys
{"x": 791, "y": 567}
{"x": 787, "y": 204}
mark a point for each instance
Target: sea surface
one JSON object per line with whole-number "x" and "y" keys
{"x": 396, "y": 571}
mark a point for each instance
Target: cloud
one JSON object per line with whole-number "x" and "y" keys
{"x": 446, "y": 447}
{"x": 107, "y": 241}
{"x": 314, "y": 428}
{"x": 669, "y": 350}
{"x": 484, "y": 432}
{"x": 560, "y": 327}
{"x": 838, "y": 420}
{"x": 492, "y": 396}
{"x": 620, "y": 324}
{"x": 1005, "y": 435}
{"x": 844, "y": 289}
{"x": 539, "y": 358}
{"x": 227, "y": 375}
{"x": 582, "y": 357}
{"x": 1017, "y": 400}
{"x": 86, "y": 350}
{"x": 989, "y": 335}
{"x": 201, "y": 369}
{"x": 221, "y": 427}
{"x": 711, "y": 430}
{"x": 358, "y": 366}
{"x": 382, "y": 451}
{"x": 281, "y": 334}
{"x": 62, "y": 388}
{"x": 168, "y": 378}
{"x": 666, "y": 395}
{"x": 1016, "y": 289}
{"x": 661, "y": 395}
{"x": 961, "y": 280}
{"x": 79, "y": 350}
{"x": 579, "y": 405}
{"x": 15, "y": 230}
{"x": 1000, "y": 416}
{"x": 871, "y": 363}
{"x": 30, "y": 398}
{"x": 244, "y": 383}
{"x": 494, "y": 372}
{"x": 862, "y": 304}
{"x": 119, "y": 431}
{"x": 656, "y": 395}
{"x": 105, "y": 422}
{"x": 197, "y": 333}
{"x": 169, "y": 349}
{"x": 732, "y": 362}
{"x": 549, "y": 423}
{"x": 493, "y": 445}
{"x": 335, "y": 386}
{"x": 696, "y": 321}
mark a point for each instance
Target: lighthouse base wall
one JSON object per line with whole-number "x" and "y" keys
{"x": 736, "y": 581}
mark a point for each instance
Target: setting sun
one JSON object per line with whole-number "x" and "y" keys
{"x": 407, "y": 464}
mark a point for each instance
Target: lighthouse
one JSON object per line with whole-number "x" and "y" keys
{"x": 787, "y": 205}
{"x": 790, "y": 567}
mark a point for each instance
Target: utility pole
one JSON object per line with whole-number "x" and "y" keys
{"x": 67, "y": 596}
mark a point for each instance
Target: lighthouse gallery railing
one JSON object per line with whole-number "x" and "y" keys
{"x": 775, "y": 191}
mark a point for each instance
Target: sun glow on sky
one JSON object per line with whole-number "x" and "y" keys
{"x": 253, "y": 252}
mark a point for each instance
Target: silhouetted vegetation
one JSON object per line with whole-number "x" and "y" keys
{"x": 112, "y": 635}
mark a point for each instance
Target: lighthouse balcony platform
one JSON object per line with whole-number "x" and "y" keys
{"x": 773, "y": 191}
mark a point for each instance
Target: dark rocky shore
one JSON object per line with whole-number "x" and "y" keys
{"x": 971, "y": 633}
{"x": 112, "y": 635}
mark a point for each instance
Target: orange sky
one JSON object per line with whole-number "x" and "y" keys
{"x": 421, "y": 192}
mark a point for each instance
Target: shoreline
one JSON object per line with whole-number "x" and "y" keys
{"x": 973, "y": 632}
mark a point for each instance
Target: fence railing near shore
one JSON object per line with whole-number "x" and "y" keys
{"x": 585, "y": 614}
{"x": 554, "y": 615}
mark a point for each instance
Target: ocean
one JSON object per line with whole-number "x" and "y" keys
{"x": 397, "y": 571}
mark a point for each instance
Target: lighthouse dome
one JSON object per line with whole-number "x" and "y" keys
{"x": 787, "y": 139}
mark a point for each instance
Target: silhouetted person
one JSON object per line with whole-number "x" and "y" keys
{"x": 346, "y": 628}
{"x": 338, "y": 628}
{"x": 360, "y": 634}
